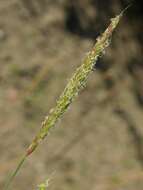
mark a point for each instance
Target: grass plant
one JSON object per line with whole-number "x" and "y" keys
{"x": 71, "y": 91}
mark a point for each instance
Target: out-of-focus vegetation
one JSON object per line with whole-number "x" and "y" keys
{"x": 100, "y": 138}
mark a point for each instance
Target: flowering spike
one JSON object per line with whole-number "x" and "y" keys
{"x": 75, "y": 84}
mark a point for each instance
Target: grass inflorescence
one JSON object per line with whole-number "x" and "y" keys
{"x": 75, "y": 84}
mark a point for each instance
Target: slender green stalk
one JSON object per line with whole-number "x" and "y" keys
{"x": 75, "y": 84}
{"x": 15, "y": 172}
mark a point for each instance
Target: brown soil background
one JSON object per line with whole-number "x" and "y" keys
{"x": 98, "y": 144}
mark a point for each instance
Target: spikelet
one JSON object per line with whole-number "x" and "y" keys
{"x": 44, "y": 186}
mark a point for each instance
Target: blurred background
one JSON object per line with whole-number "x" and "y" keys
{"x": 98, "y": 144}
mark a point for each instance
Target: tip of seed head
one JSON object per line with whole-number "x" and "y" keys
{"x": 125, "y": 9}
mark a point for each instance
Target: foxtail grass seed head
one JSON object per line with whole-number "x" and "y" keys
{"x": 75, "y": 84}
